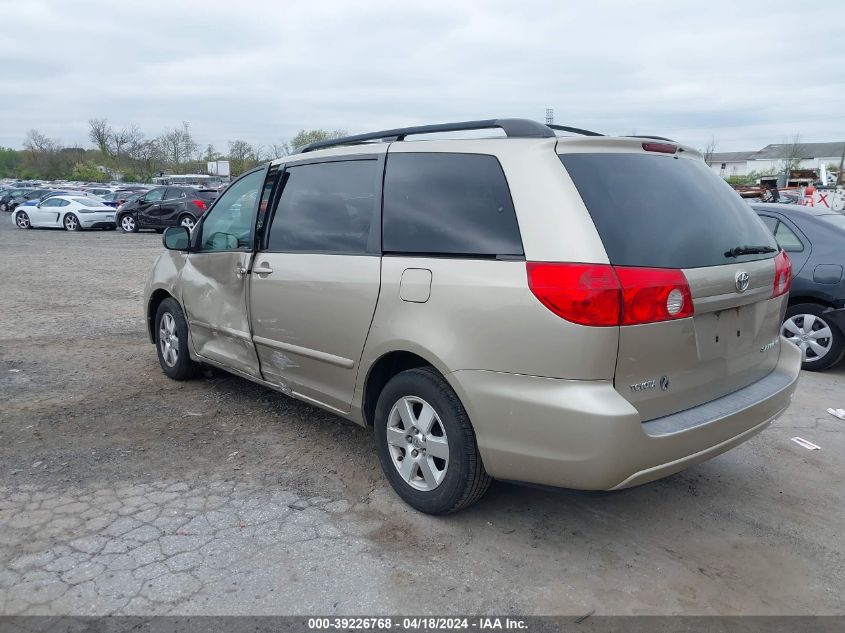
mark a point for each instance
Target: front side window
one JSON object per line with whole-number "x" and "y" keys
{"x": 325, "y": 208}
{"x": 50, "y": 202}
{"x": 154, "y": 195}
{"x": 228, "y": 226}
{"x": 448, "y": 204}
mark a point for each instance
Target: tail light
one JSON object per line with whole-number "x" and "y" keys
{"x": 199, "y": 204}
{"x": 604, "y": 295}
{"x": 783, "y": 274}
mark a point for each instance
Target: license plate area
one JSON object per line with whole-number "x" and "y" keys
{"x": 725, "y": 333}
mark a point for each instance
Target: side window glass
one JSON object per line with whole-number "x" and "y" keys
{"x": 770, "y": 222}
{"x": 173, "y": 193}
{"x": 62, "y": 203}
{"x": 154, "y": 195}
{"x": 228, "y": 226}
{"x": 787, "y": 239}
{"x": 49, "y": 202}
{"x": 267, "y": 194}
{"x": 450, "y": 204}
{"x": 325, "y": 208}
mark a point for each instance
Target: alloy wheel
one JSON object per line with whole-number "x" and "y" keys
{"x": 71, "y": 223}
{"x": 417, "y": 443}
{"x": 811, "y": 334}
{"x": 168, "y": 339}
{"x": 127, "y": 223}
{"x": 188, "y": 223}
{"x": 22, "y": 220}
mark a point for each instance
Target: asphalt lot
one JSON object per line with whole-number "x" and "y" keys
{"x": 122, "y": 492}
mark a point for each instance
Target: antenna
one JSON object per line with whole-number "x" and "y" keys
{"x": 550, "y": 116}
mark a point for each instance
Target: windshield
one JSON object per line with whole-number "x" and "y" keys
{"x": 666, "y": 212}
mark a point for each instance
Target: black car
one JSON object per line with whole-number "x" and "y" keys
{"x": 13, "y": 197}
{"x": 165, "y": 206}
{"x": 814, "y": 238}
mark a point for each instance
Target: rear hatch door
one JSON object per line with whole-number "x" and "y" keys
{"x": 670, "y": 211}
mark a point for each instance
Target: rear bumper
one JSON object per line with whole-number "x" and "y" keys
{"x": 97, "y": 220}
{"x": 584, "y": 435}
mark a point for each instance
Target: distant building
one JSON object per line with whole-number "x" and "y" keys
{"x": 770, "y": 158}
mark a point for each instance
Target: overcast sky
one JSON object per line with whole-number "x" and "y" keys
{"x": 749, "y": 73}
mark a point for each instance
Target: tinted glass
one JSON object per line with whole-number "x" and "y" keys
{"x": 228, "y": 226}
{"x": 770, "y": 222}
{"x": 325, "y": 208}
{"x": 206, "y": 196}
{"x": 173, "y": 192}
{"x": 787, "y": 239}
{"x": 451, "y": 204}
{"x": 664, "y": 212}
{"x": 154, "y": 195}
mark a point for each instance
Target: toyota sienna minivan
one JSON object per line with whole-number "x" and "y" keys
{"x": 571, "y": 310}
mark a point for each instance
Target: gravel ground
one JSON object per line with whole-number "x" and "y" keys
{"x": 122, "y": 492}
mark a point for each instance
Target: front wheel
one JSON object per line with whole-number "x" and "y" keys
{"x": 128, "y": 224}
{"x": 22, "y": 220}
{"x": 821, "y": 343}
{"x": 172, "y": 341}
{"x": 71, "y": 223}
{"x": 426, "y": 444}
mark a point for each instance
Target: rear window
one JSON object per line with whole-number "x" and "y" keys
{"x": 448, "y": 204}
{"x": 207, "y": 196}
{"x": 664, "y": 212}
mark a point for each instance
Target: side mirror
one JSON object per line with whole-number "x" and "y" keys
{"x": 38, "y": 205}
{"x": 176, "y": 238}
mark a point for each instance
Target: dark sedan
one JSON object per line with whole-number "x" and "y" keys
{"x": 165, "y": 206}
{"x": 13, "y": 197}
{"x": 815, "y": 241}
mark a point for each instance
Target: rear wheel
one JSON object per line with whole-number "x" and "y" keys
{"x": 188, "y": 222}
{"x": 171, "y": 334}
{"x": 22, "y": 220}
{"x": 820, "y": 341}
{"x": 128, "y": 224}
{"x": 426, "y": 444}
{"x": 71, "y": 222}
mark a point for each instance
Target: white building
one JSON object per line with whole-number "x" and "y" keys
{"x": 770, "y": 159}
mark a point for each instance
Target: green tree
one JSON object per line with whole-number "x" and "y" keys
{"x": 304, "y": 137}
{"x": 88, "y": 172}
{"x": 10, "y": 162}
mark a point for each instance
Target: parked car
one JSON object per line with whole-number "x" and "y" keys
{"x": 814, "y": 237}
{"x": 165, "y": 206}
{"x": 117, "y": 198}
{"x": 562, "y": 311}
{"x": 71, "y": 212}
{"x": 12, "y": 197}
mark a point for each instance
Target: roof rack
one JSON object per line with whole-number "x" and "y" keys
{"x": 513, "y": 128}
{"x": 574, "y": 130}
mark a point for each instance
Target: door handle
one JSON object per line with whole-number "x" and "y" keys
{"x": 240, "y": 271}
{"x": 264, "y": 269}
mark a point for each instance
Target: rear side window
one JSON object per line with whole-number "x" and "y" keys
{"x": 325, "y": 208}
{"x": 448, "y": 204}
{"x": 664, "y": 212}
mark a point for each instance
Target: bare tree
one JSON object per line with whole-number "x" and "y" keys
{"x": 709, "y": 150}
{"x": 37, "y": 142}
{"x": 791, "y": 153}
{"x": 177, "y": 145}
{"x": 123, "y": 140}
{"x": 304, "y": 137}
{"x": 277, "y": 150}
{"x": 100, "y": 133}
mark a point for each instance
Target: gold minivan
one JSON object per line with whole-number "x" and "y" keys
{"x": 549, "y": 306}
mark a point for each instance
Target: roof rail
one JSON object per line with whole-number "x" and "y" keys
{"x": 574, "y": 130}
{"x": 513, "y": 128}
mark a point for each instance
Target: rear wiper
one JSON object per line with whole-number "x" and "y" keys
{"x": 736, "y": 251}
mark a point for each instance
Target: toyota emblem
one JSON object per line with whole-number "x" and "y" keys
{"x": 741, "y": 280}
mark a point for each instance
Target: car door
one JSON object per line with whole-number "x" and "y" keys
{"x": 215, "y": 278}
{"x": 148, "y": 207}
{"x": 315, "y": 281}
{"x": 171, "y": 206}
{"x": 45, "y": 214}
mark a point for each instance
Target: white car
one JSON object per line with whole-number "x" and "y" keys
{"x": 73, "y": 212}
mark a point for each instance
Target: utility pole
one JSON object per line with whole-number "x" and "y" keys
{"x": 839, "y": 179}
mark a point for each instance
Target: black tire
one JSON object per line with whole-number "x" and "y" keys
{"x": 22, "y": 220}
{"x": 71, "y": 222}
{"x": 128, "y": 223}
{"x": 465, "y": 481}
{"x": 183, "y": 368}
{"x": 836, "y": 342}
